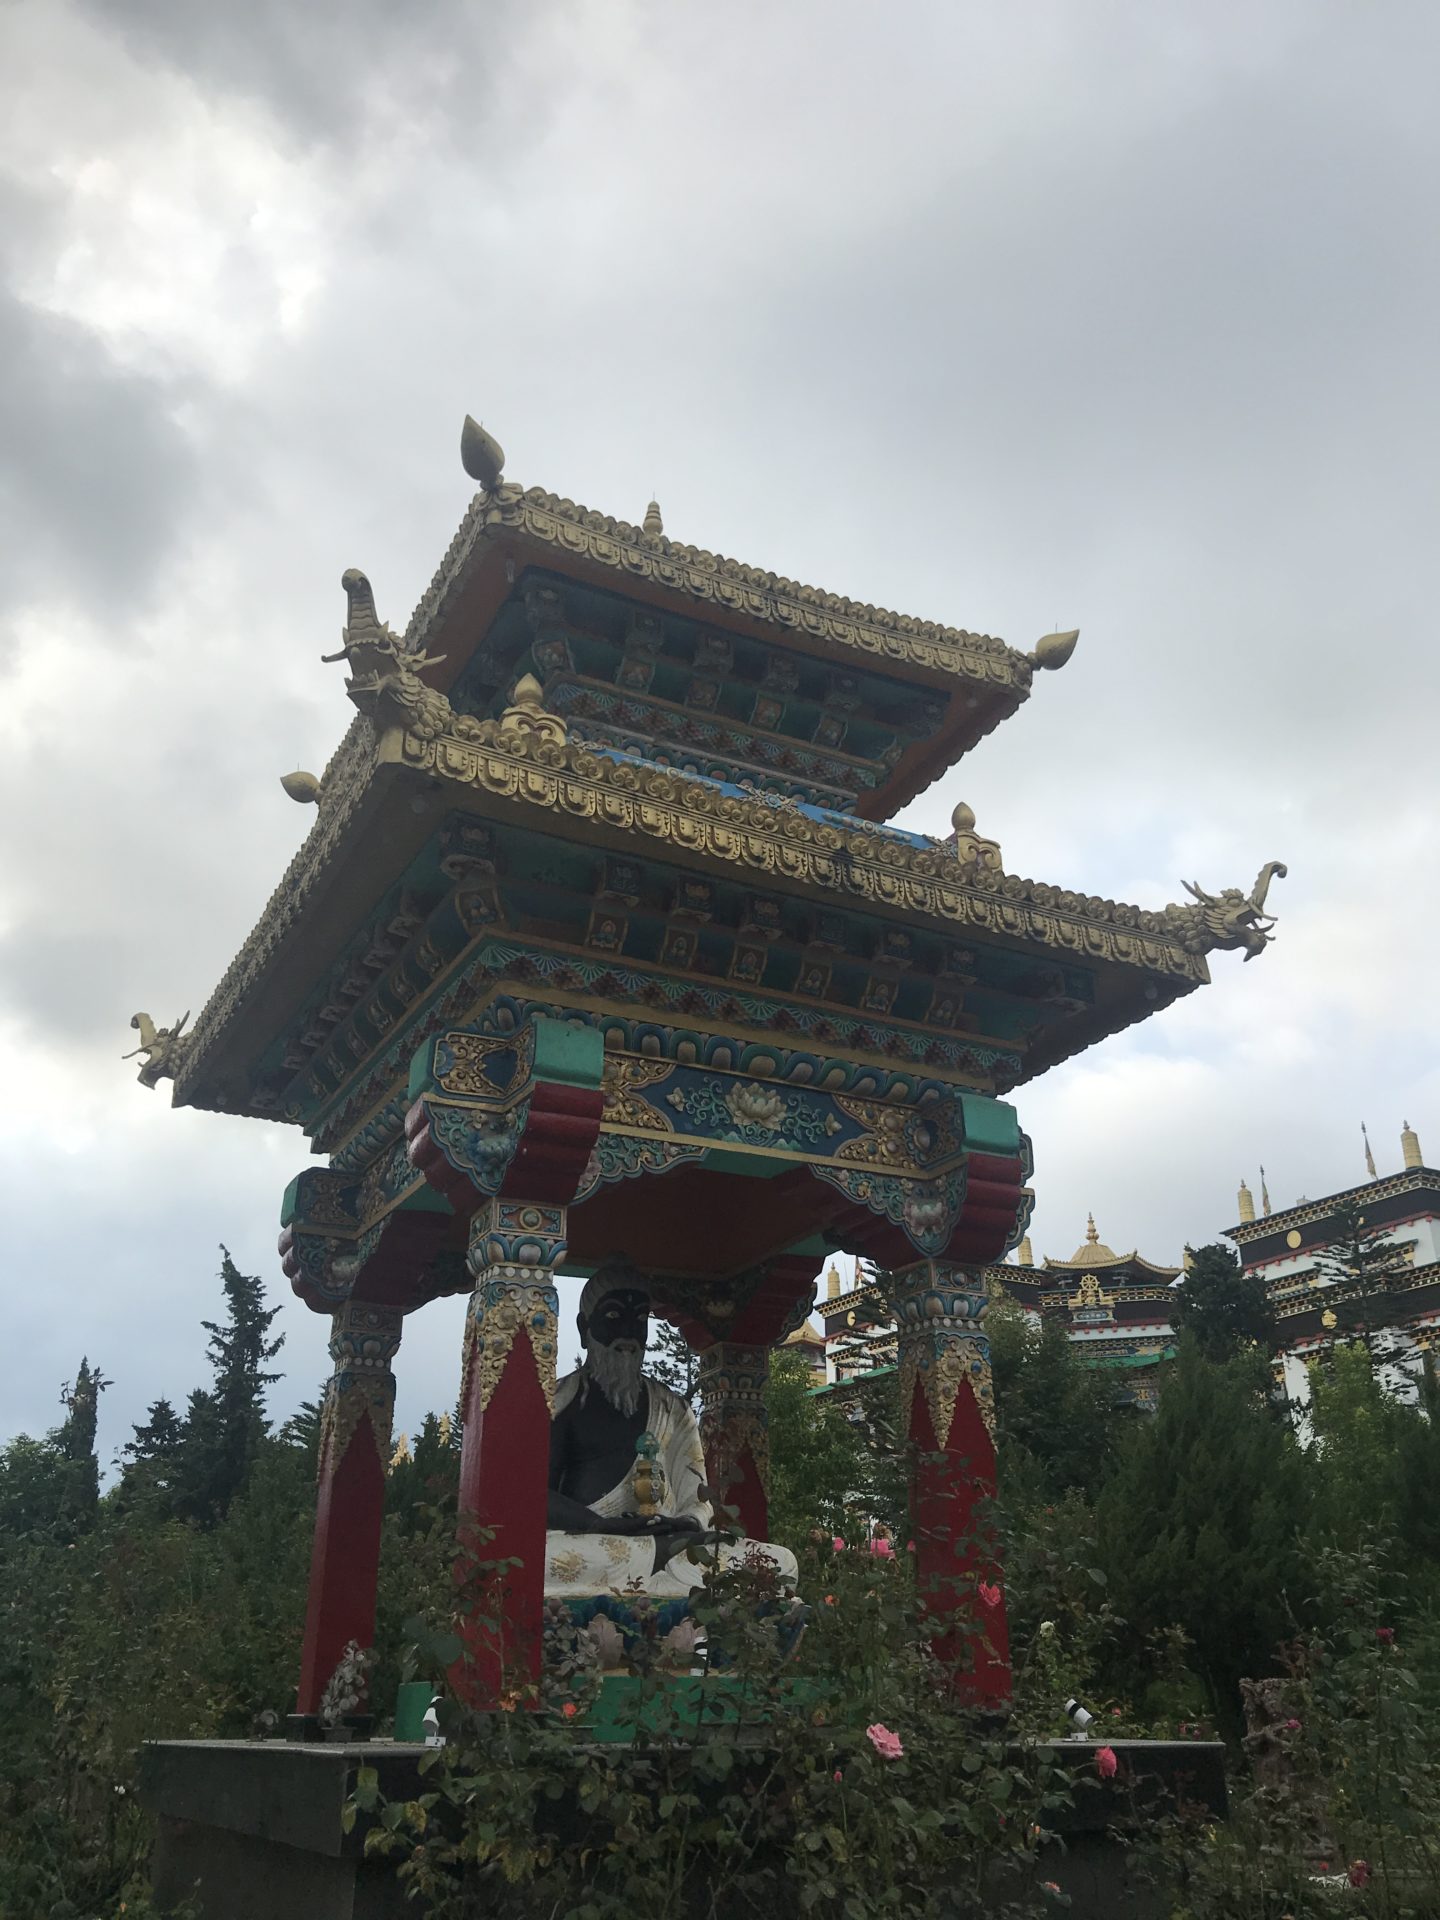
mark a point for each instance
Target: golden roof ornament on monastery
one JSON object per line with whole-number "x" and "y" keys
{"x": 162, "y": 1047}
{"x": 481, "y": 455}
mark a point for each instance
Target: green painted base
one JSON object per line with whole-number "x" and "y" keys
{"x": 683, "y": 1706}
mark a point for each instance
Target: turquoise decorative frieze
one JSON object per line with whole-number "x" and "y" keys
{"x": 620, "y": 1156}
{"x": 478, "y": 1144}
{"x": 927, "y": 1210}
{"x": 357, "y": 1123}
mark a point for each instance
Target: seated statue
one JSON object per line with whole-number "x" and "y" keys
{"x": 627, "y": 1474}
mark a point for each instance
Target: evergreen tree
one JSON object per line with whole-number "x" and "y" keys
{"x": 239, "y": 1348}
{"x": 74, "y": 1441}
{"x": 429, "y": 1477}
{"x": 672, "y": 1361}
{"x": 1057, "y": 1419}
{"x": 1361, "y": 1262}
{"x": 152, "y": 1455}
{"x": 1224, "y": 1308}
{"x": 1198, "y": 1523}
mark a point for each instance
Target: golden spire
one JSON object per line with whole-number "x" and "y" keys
{"x": 1024, "y": 1256}
{"x": 1187, "y": 1260}
{"x": 653, "y": 523}
{"x": 1090, "y": 1233}
{"x": 1247, "y": 1203}
{"x": 1410, "y": 1146}
{"x": 1264, "y": 1193}
{"x": 832, "y": 1282}
{"x": 1369, "y": 1156}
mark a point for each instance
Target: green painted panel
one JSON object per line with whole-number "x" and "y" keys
{"x": 991, "y": 1126}
{"x": 572, "y": 1056}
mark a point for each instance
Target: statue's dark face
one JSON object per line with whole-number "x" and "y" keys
{"x": 619, "y": 1317}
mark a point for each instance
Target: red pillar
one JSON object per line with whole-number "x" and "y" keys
{"x": 734, "y": 1431}
{"x": 947, "y": 1402}
{"x": 507, "y": 1395}
{"x": 355, "y": 1428}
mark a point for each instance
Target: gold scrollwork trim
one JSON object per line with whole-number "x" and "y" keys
{"x": 884, "y": 868}
{"x": 941, "y": 1370}
{"x": 490, "y": 1329}
{"x": 344, "y": 1404}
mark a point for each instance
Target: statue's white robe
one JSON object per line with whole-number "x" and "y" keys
{"x": 586, "y": 1563}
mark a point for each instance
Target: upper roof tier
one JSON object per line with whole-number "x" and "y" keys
{"x": 703, "y": 663}
{"x": 662, "y": 762}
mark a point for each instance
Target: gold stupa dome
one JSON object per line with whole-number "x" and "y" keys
{"x": 1094, "y": 1252}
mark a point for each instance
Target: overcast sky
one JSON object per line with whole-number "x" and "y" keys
{"x": 1017, "y": 316}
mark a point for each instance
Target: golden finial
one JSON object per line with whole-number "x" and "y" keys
{"x": 1247, "y": 1202}
{"x": 481, "y": 454}
{"x": 1187, "y": 1260}
{"x": 1369, "y": 1156}
{"x": 1410, "y": 1146}
{"x": 832, "y": 1282}
{"x": 1054, "y": 650}
{"x": 528, "y": 715}
{"x": 402, "y": 1451}
{"x": 1328, "y": 1320}
{"x": 1264, "y": 1193}
{"x": 303, "y": 787}
{"x": 442, "y": 1427}
{"x": 1090, "y": 1230}
{"x": 966, "y": 844}
{"x": 1024, "y": 1255}
{"x": 653, "y": 523}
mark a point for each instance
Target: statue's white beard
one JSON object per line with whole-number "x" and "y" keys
{"x": 617, "y": 1372}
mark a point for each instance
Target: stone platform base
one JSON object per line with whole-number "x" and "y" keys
{"x": 250, "y": 1828}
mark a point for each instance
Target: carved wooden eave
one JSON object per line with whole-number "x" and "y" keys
{"x": 982, "y": 680}
{"x": 383, "y": 800}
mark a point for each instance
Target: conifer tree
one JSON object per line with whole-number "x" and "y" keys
{"x": 674, "y": 1362}
{"x": 1361, "y": 1262}
{"x": 225, "y": 1424}
{"x": 152, "y": 1455}
{"x": 1198, "y": 1523}
{"x": 75, "y": 1440}
{"x": 1224, "y": 1308}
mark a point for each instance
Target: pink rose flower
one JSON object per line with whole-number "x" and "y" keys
{"x": 883, "y": 1548}
{"x": 885, "y": 1743}
{"x": 1292, "y": 1726}
{"x": 989, "y": 1593}
{"x": 1359, "y": 1872}
{"x": 839, "y": 1776}
{"x": 838, "y": 1544}
{"x": 1385, "y": 1635}
{"x": 1106, "y": 1764}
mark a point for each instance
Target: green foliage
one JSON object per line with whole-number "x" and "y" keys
{"x": 831, "y": 1778}
{"x": 1222, "y": 1308}
{"x": 1360, "y": 1263}
{"x": 1197, "y": 1525}
{"x": 831, "y": 1467}
{"x": 1058, "y": 1426}
{"x": 674, "y": 1362}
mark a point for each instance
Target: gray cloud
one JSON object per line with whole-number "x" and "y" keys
{"x": 96, "y": 477}
{"x": 1108, "y": 317}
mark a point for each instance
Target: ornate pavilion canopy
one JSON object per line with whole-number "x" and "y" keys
{"x": 714, "y": 720}
{"x": 598, "y": 946}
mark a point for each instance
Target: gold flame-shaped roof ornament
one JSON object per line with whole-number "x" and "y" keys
{"x": 652, "y": 523}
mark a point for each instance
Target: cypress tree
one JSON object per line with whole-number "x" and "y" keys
{"x": 74, "y": 1440}
{"x": 1198, "y": 1523}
